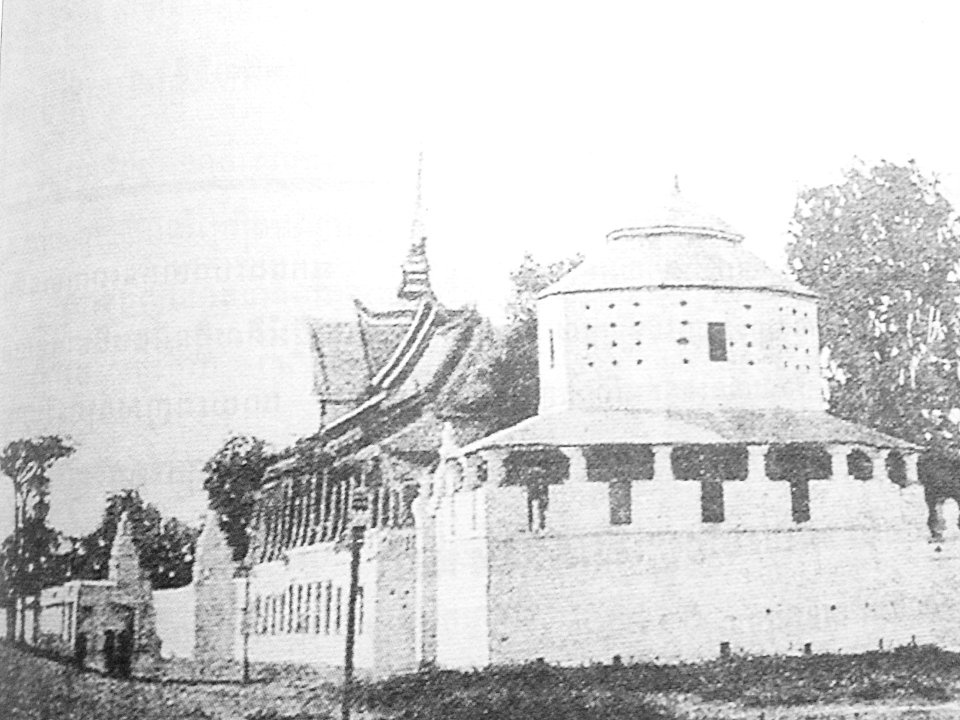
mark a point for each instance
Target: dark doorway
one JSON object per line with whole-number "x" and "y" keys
{"x": 110, "y": 651}
{"x": 124, "y": 651}
{"x": 80, "y": 649}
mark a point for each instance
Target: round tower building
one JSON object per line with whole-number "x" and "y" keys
{"x": 675, "y": 313}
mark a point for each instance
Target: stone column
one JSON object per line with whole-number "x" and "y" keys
{"x": 910, "y": 466}
{"x": 496, "y": 470}
{"x": 839, "y": 470}
{"x": 757, "y": 462}
{"x": 578, "y": 464}
{"x": 662, "y": 464}
{"x": 879, "y": 458}
{"x": 216, "y": 606}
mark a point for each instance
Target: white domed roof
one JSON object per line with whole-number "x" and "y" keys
{"x": 676, "y": 245}
{"x": 677, "y": 215}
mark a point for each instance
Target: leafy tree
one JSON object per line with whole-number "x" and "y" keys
{"x": 26, "y": 462}
{"x": 882, "y": 250}
{"x": 515, "y": 378}
{"x": 33, "y": 563}
{"x": 166, "y": 548}
{"x": 234, "y": 475}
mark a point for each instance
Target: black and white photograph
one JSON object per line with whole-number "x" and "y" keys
{"x": 462, "y": 361}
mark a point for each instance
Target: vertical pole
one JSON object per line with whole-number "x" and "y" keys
{"x": 357, "y": 528}
{"x": 15, "y": 595}
{"x": 246, "y": 623}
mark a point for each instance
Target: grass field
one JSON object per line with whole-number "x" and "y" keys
{"x": 754, "y": 687}
{"x": 910, "y": 682}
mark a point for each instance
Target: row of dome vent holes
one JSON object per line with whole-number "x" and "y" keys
{"x": 833, "y": 608}
{"x": 686, "y": 341}
{"x": 748, "y": 326}
{"x": 686, "y": 361}
{"x": 683, "y": 303}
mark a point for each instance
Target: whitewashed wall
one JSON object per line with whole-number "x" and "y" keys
{"x": 667, "y": 587}
{"x": 648, "y": 348}
{"x": 175, "y": 621}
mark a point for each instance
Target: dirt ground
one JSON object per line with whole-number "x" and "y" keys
{"x": 36, "y": 688}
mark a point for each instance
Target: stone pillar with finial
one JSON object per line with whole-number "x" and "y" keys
{"x": 215, "y": 598}
{"x": 130, "y": 613}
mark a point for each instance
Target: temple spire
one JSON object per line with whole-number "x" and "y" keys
{"x": 417, "y": 232}
{"x": 415, "y": 283}
{"x": 416, "y": 273}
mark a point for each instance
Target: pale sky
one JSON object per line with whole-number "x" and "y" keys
{"x": 182, "y": 184}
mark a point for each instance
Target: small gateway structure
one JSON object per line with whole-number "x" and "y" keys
{"x": 107, "y": 624}
{"x": 682, "y": 492}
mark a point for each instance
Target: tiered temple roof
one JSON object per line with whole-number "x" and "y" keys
{"x": 387, "y": 381}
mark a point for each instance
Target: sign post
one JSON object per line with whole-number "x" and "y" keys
{"x": 358, "y": 526}
{"x": 246, "y": 570}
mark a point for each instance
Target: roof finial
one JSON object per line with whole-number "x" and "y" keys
{"x": 676, "y": 183}
{"x": 416, "y": 230}
{"x": 416, "y": 270}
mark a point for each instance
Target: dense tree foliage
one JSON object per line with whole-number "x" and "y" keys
{"x": 234, "y": 475}
{"x": 514, "y": 376}
{"x": 166, "y": 547}
{"x": 882, "y": 250}
{"x": 26, "y": 462}
{"x": 34, "y": 562}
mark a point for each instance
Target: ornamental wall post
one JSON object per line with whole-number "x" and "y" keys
{"x": 578, "y": 464}
{"x": 910, "y": 467}
{"x": 839, "y": 469}
{"x": 452, "y": 475}
{"x": 470, "y": 471}
{"x": 757, "y": 462}
{"x": 879, "y": 458}
{"x": 496, "y": 469}
{"x": 662, "y": 463}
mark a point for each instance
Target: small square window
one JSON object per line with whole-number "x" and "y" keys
{"x": 717, "y": 338}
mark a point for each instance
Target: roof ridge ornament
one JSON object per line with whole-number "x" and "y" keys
{"x": 416, "y": 227}
{"x": 415, "y": 281}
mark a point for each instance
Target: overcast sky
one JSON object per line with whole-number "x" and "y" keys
{"x": 183, "y": 184}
